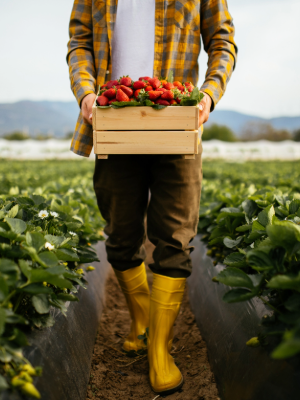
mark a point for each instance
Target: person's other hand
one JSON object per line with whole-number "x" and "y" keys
{"x": 86, "y": 107}
{"x": 204, "y": 109}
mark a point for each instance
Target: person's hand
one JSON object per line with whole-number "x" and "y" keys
{"x": 204, "y": 109}
{"x": 86, "y": 107}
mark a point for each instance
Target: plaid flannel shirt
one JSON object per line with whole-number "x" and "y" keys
{"x": 178, "y": 26}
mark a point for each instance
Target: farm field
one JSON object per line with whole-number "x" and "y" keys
{"x": 249, "y": 215}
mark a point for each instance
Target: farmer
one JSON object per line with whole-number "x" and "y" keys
{"x": 109, "y": 39}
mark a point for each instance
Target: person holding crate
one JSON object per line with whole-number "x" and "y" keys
{"x": 112, "y": 38}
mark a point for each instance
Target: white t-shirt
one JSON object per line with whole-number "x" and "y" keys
{"x": 133, "y": 40}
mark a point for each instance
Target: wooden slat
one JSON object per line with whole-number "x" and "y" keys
{"x": 145, "y": 142}
{"x": 146, "y": 118}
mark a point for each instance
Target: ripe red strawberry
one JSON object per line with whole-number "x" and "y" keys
{"x": 162, "y": 102}
{"x": 161, "y": 89}
{"x": 139, "y": 85}
{"x": 136, "y": 93}
{"x": 103, "y": 86}
{"x": 155, "y": 83}
{"x": 144, "y": 78}
{"x": 148, "y": 88}
{"x": 173, "y": 101}
{"x": 178, "y": 100}
{"x": 121, "y": 96}
{"x": 179, "y": 85}
{"x": 110, "y": 84}
{"x": 110, "y": 93}
{"x": 126, "y": 81}
{"x": 190, "y": 88}
{"x": 168, "y": 95}
{"x": 168, "y": 85}
{"x": 111, "y": 101}
{"x": 117, "y": 87}
{"x": 154, "y": 94}
{"x": 127, "y": 90}
{"x": 188, "y": 84}
{"x": 102, "y": 101}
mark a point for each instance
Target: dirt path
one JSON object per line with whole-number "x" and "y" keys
{"x": 115, "y": 376}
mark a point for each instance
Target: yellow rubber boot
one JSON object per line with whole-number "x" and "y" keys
{"x": 166, "y": 298}
{"x": 135, "y": 287}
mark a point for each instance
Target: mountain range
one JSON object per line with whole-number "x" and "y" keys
{"x": 58, "y": 118}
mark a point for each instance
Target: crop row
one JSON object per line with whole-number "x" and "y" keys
{"x": 48, "y": 222}
{"x": 250, "y": 218}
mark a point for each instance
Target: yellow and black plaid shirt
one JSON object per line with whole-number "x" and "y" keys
{"x": 178, "y": 26}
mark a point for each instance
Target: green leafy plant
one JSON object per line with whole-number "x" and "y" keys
{"x": 250, "y": 217}
{"x": 47, "y": 226}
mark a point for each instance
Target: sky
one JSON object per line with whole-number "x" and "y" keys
{"x": 34, "y": 36}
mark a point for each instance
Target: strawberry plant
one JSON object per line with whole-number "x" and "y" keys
{"x": 48, "y": 222}
{"x": 250, "y": 217}
{"x": 149, "y": 92}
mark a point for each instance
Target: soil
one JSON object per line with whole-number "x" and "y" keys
{"x": 116, "y": 376}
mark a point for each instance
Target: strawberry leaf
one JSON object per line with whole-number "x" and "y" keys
{"x": 158, "y": 106}
{"x": 103, "y": 106}
{"x": 119, "y": 104}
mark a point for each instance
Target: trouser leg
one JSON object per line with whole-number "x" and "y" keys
{"x": 121, "y": 187}
{"x": 173, "y": 212}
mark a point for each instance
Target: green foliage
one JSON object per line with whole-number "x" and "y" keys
{"x": 296, "y": 135}
{"x": 250, "y": 217}
{"x": 16, "y": 136}
{"x": 48, "y": 220}
{"x": 218, "y": 132}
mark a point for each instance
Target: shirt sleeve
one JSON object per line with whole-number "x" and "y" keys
{"x": 80, "y": 55}
{"x": 218, "y": 38}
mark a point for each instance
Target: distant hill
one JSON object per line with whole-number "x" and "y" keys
{"x": 48, "y": 117}
{"x": 236, "y": 121}
{"x": 58, "y": 118}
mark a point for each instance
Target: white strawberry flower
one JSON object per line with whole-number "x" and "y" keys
{"x": 72, "y": 233}
{"x": 74, "y": 249}
{"x": 49, "y": 246}
{"x": 53, "y": 214}
{"x": 43, "y": 214}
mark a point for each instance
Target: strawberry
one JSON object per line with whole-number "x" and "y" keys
{"x": 148, "y": 88}
{"x": 179, "y": 85}
{"x": 178, "y": 100}
{"x": 102, "y": 101}
{"x": 162, "y": 102}
{"x": 161, "y": 89}
{"x": 121, "y": 96}
{"x": 168, "y": 85}
{"x": 163, "y": 82}
{"x": 168, "y": 95}
{"x": 126, "y": 81}
{"x": 110, "y": 84}
{"x": 139, "y": 85}
{"x": 110, "y": 93}
{"x": 188, "y": 84}
{"x": 127, "y": 90}
{"x": 154, "y": 94}
{"x": 136, "y": 93}
{"x": 103, "y": 86}
{"x": 155, "y": 83}
{"x": 190, "y": 88}
{"x": 117, "y": 87}
{"x": 144, "y": 78}
{"x": 173, "y": 101}
{"x": 111, "y": 101}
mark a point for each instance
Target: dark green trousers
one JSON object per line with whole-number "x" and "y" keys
{"x": 122, "y": 184}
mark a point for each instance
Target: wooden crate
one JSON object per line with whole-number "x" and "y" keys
{"x": 143, "y": 130}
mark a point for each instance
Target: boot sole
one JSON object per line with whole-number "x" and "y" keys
{"x": 169, "y": 391}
